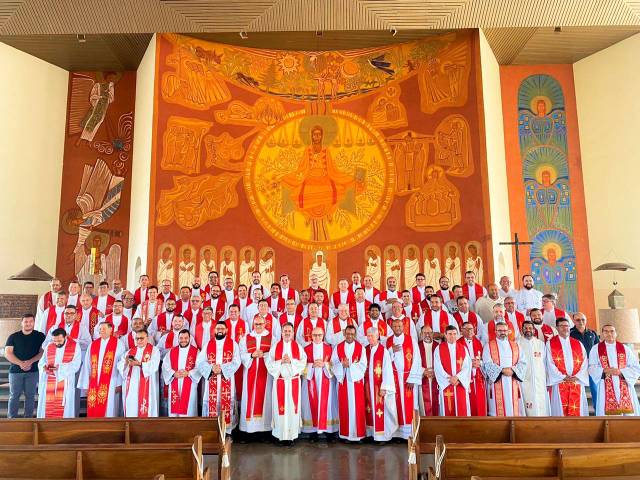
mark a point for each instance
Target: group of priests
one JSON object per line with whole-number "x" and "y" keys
{"x": 356, "y": 362}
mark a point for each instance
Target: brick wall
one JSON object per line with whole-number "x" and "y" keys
{"x": 14, "y": 306}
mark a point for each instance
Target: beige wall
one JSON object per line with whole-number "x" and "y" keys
{"x": 497, "y": 170}
{"x": 141, "y": 184}
{"x": 608, "y": 99}
{"x": 33, "y": 96}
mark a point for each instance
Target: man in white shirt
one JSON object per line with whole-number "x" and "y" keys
{"x": 505, "y": 288}
{"x": 528, "y": 297}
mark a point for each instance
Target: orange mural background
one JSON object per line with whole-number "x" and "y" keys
{"x": 395, "y": 165}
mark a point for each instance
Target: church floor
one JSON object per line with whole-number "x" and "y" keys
{"x": 319, "y": 461}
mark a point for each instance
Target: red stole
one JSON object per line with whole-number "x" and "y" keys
{"x": 54, "y": 319}
{"x": 94, "y": 314}
{"x": 382, "y": 327}
{"x": 162, "y": 324}
{"x": 479, "y": 291}
{"x": 351, "y": 298}
{"x": 445, "y": 295}
{"x": 560, "y": 313}
{"x": 189, "y": 316}
{"x": 295, "y": 381}
{"x": 405, "y": 416}
{"x": 137, "y": 295}
{"x": 319, "y": 407}
{"x": 611, "y": 404}
{"x": 406, "y": 324}
{"x": 374, "y": 411}
{"x": 168, "y": 339}
{"x": 518, "y": 320}
{"x": 256, "y": 376}
{"x": 478, "y": 385}
{"x": 335, "y": 324}
{"x": 308, "y": 328}
{"x": 570, "y": 393}
{"x": 279, "y": 304}
{"x": 225, "y": 383}
{"x": 108, "y": 308}
{"x": 300, "y": 310}
{"x": 443, "y": 319}
{"x": 545, "y": 332}
{"x": 199, "y": 333}
{"x": 179, "y": 402}
{"x": 143, "y": 382}
{"x": 170, "y": 296}
{"x": 75, "y": 330}
{"x": 297, "y": 320}
{"x": 429, "y": 385}
{"x": 268, "y": 322}
{"x": 131, "y": 341}
{"x": 123, "y": 328}
{"x": 501, "y": 409}
{"x": 343, "y": 394}
{"x": 237, "y": 334}
{"x": 353, "y": 310}
{"x": 98, "y": 392}
{"x": 416, "y": 296}
{"x": 312, "y": 292}
{"x": 183, "y": 306}
{"x": 54, "y": 407}
{"x": 450, "y": 408}
{"x": 47, "y": 300}
{"x": 387, "y": 295}
{"x": 472, "y": 318}
{"x": 145, "y": 308}
{"x": 414, "y": 311}
{"x": 291, "y": 294}
{"x": 491, "y": 330}
{"x": 221, "y": 306}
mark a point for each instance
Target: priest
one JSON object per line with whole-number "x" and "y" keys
{"x": 567, "y": 373}
{"x": 349, "y": 363}
{"x": 172, "y": 338}
{"x": 99, "y": 374}
{"x": 478, "y": 385}
{"x": 437, "y": 318}
{"x": 139, "y": 370}
{"x": 428, "y": 391}
{"x": 117, "y": 319}
{"x": 58, "y": 367}
{"x": 335, "y": 327}
{"x": 407, "y": 375}
{"x": 505, "y": 369}
{"x": 452, "y": 366}
{"x": 379, "y": 391}
{"x": 614, "y": 369}
{"x": 376, "y": 321}
{"x": 255, "y": 405}
{"x": 218, "y": 362}
{"x": 203, "y": 331}
{"x": 181, "y": 376}
{"x": 73, "y": 327}
{"x": 285, "y": 363}
{"x": 303, "y": 334}
{"x": 53, "y": 316}
{"x": 534, "y": 384}
{"x": 319, "y": 400}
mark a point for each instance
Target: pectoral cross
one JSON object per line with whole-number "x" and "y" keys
{"x": 516, "y": 243}
{"x": 448, "y": 394}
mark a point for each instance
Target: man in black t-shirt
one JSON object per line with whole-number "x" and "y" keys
{"x": 23, "y": 349}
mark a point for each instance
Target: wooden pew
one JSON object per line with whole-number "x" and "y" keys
{"x": 104, "y": 462}
{"x": 120, "y": 432}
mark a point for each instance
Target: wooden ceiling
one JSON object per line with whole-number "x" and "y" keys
{"x": 117, "y": 32}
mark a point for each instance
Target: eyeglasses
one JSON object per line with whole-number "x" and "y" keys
{"x": 258, "y": 324}
{"x": 316, "y": 334}
{"x": 140, "y": 338}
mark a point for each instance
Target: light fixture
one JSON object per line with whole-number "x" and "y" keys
{"x": 243, "y": 35}
{"x": 616, "y": 299}
{"x": 32, "y": 273}
{"x": 81, "y": 38}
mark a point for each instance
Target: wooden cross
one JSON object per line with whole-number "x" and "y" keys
{"x": 516, "y": 242}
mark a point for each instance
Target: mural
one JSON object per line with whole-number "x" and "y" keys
{"x": 94, "y": 214}
{"x": 318, "y": 160}
{"x": 545, "y": 172}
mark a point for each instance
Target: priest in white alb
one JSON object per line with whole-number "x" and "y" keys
{"x": 255, "y": 403}
{"x": 139, "y": 370}
{"x": 181, "y": 376}
{"x": 218, "y": 362}
{"x": 379, "y": 390}
{"x": 567, "y": 373}
{"x": 349, "y": 363}
{"x": 57, "y": 383}
{"x": 319, "y": 400}
{"x": 452, "y": 366}
{"x": 614, "y": 369}
{"x": 407, "y": 375}
{"x": 286, "y": 362}
{"x": 505, "y": 368}
{"x": 534, "y": 384}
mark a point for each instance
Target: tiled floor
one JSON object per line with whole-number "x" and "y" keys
{"x": 319, "y": 461}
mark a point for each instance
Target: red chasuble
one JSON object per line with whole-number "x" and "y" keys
{"x": 318, "y": 416}
{"x": 452, "y": 391}
{"x": 343, "y": 394}
{"x": 478, "y": 385}
{"x": 569, "y": 392}
{"x": 225, "y": 383}
{"x": 98, "y": 392}
{"x": 55, "y": 390}
{"x": 295, "y": 381}
{"x": 374, "y": 411}
{"x": 143, "y": 382}
{"x": 501, "y": 409}
{"x": 405, "y": 416}
{"x": 257, "y": 376}
{"x": 611, "y": 404}
{"x": 429, "y": 386}
{"x": 180, "y": 397}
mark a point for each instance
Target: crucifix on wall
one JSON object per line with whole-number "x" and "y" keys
{"x": 517, "y": 243}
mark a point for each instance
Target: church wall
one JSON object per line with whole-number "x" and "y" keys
{"x": 399, "y": 174}
{"x": 34, "y": 99}
{"x": 496, "y": 161}
{"x": 139, "y": 223}
{"x": 608, "y": 98}
{"x": 546, "y": 189}
{"x": 93, "y": 235}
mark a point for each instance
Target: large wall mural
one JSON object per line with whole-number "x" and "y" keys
{"x": 318, "y": 162}
{"x": 550, "y": 207}
{"x": 96, "y": 183}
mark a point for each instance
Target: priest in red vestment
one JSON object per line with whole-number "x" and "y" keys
{"x": 181, "y": 376}
{"x": 478, "y": 385}
{"x": 452, "y": 366}
{"x": 428, "y": 391}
